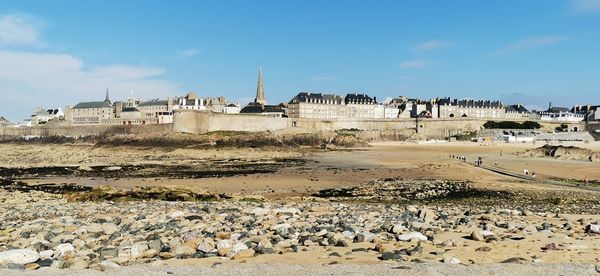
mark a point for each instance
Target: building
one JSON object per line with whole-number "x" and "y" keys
{"x": 518, "y": 111}
{"x": 92, "y": 113}
{"x": 5, "y": 123}
{"x": 448, "y": 108}
{"x": 155, "y": 108}
{"x": 360, "y": 106}
{"x": 259, "y": 106}
{"x": 415, "y": 108}
{"x": 190, "y": 101}
{"x": 591, "y": 112}
{"x": 317, "y": 106}
{"x": 386, "y": 111}
{"x": 231, "y": 108}
{"x": 560, "y": 114}
{"x": 43, "y": 116}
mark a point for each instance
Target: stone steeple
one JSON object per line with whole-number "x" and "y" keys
{"x": 260, "y": 94}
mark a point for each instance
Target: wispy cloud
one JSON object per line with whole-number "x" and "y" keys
{"x": 431, "y": 45}
{"x": 188, "y": 53}
{"x": 53, "y": 80}
{"x": 415, "y": 64}
{"x": 321, "y": 78}
{"x": 532, "y": 43}
{"x": 585, "y": 6}
{"x": 20, "y": 30}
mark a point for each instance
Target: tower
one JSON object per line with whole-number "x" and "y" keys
{"x": 260, "y": 94}
{"x": 107, "y": 99}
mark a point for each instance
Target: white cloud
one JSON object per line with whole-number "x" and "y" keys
{"x": 30, "y": 79}
{"x": 432, "y": 45}
{"x": 585, "y": 6}
{"x": 532, "y": 43}
{"x": 189, "y": 53}
{"x": 321, "y": 78}
{"x": 20, "y": 30}
{"x": 413, "y": 64}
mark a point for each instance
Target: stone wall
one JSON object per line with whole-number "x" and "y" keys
{"x": 78, "y": 131}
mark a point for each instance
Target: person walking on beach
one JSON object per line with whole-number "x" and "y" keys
{"x": 586, "y": 180}
{"x": 533, "y": 173}
{"x": 525, "y": 172}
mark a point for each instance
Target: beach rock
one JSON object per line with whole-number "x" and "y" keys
{"x": 19, "y": 256}
{"x": 108, "y": 264}
{"x": 398, "y": 228}
{"x": 244, "y": 254}
{"x": 206, "y": 246}
{"x": 477, "y": 236}
{"x": 411, "y": 236}
{"x": 79, "y": 264}
{"x": 593, "y": 228}
{"x": 183, "y": 249}
{"x": 176, "y": 214}
{"x": 385, "y": 256}
{"x": 63, "y": 248}
{"x": 259, "y": 212}
{"x": 31, "y": 266}
{"x": 451, "y": 260}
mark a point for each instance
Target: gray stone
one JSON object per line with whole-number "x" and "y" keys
{"x": 19, "y": 256}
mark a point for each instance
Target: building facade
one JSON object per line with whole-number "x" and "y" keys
{"x": 317, "y": 106}
{"x": 448, "y": 108}
{"x": 360, "y": 106}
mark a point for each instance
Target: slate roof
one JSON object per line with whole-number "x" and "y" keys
{"x": 359, "y": 99}
{"x": 130, "y": 109}
{"x": 154, "y": 103}
{"x": 83, "y": 105}
{"x": 471, "y": 103}
{"x": 556, "y": 109}
{"x": 259, "y": 108}
{"x": 517, "y": 108}
{"x": 304, "y": 97}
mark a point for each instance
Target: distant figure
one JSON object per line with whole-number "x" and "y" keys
{"x": 500, "y": 152}
{"x": 533, "y": 173}
{"x": 586, "y": 180}
{"x": 496, "y": 163}
{"x": 525, "y": 172}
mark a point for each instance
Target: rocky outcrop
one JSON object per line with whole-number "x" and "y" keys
{"x": 563, "y": 152}
{"x": 398, "y": 189}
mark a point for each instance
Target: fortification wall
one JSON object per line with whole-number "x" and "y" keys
{"x": 191, "y": 121}
{"x": 78, "y": 131}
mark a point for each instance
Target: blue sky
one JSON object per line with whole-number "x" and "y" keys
{"x": 54, "y": 53}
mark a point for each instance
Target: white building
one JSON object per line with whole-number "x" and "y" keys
{"x": 384, "y": 111}
{"x": 560, "y": 114}
{"x": 317, "y": 106}
{"x": 43, "y": 116}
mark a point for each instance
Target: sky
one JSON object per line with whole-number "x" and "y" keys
{"x": 532, "y": 52}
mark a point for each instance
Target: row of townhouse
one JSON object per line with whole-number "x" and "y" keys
{"x": 137, "y": 112}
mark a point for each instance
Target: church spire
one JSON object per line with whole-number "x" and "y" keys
{"x": 107, "y": 99}
{"x": 260, "y": 94}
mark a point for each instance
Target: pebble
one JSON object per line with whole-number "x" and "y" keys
{"x": 19, "y": 256}
{"x": 451, "y": 260}
{"x": 108, "y": 235}
{"x": 412, "y": 235}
